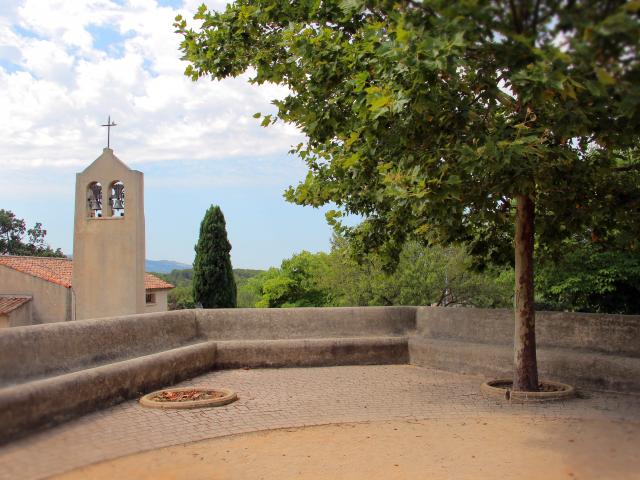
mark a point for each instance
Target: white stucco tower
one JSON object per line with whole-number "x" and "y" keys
{"x": 108, "y": 240}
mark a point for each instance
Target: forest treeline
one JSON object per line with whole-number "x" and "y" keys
{"x": 181, "y": 297}
{"x": 585, "y": 278}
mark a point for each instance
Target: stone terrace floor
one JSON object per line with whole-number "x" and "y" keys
{"x": 276, "y": 398}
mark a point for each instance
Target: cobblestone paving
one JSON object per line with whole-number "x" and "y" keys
{"x": 276, "y": 398}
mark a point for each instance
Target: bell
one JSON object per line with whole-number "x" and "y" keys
{"x": 95, "y": 197}
{"x": 117, "y": 204}
{"x": 93, "y": 203}
{"x": 117, "y": 197}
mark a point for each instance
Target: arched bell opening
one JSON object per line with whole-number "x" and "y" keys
{"x": 116, "y": 198}
{"x": 94, "y": 200}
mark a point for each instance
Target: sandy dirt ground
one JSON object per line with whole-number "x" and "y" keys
{"x": 488, "y": 447}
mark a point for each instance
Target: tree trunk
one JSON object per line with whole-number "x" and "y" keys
{"x": 525, "y": 376}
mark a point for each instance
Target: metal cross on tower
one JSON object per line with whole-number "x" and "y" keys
{"x": 109, "y": 124}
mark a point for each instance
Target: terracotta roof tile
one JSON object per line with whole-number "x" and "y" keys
{"x": 51, "y": 269}
{"x": 60, "y": 270}
{"x": 9, "y": 304}
{"x": 151, "y": 282}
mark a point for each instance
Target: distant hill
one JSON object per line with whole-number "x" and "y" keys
{"x": 164, "y": 266}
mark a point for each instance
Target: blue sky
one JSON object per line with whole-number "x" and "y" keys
{"x": 196, "y": 143}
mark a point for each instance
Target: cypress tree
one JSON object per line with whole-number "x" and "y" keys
{"x": 213, "y": 282}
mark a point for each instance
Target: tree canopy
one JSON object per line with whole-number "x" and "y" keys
{"x": 181, "y": 296}
{"x": 213, "y": 282}
{"x": 424, "y": 276}
{"x": 484, "y": 121}
{"x": 16, "y": 239}
{"x": 587, "y": 278}
{"x": 430, "y": 117}
{"x": 590, "y": 278}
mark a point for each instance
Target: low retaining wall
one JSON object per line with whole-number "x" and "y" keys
{"x": 52, "y": 372}
{"x": 588, "y": 350}
{"x": 52, "y": 400}
{"x": 299, "y": 323}
{"x": 591, "y": 332}
{"x": 320, "y": 352}
{"x": 38, "y": 351}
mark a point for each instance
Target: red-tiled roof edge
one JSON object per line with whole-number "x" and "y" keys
{"x": 151, "y": 281}
{"x": 8, "y": 303}
{"x": 161, "y": 285}
{"x": 57, "y": 281}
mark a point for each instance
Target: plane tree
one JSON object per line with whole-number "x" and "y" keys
{"x": 501, "y": 124}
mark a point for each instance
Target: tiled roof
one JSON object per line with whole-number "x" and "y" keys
{"x": 9, "y": 304}
{"x": 60, "y": 270}
{"x": 151, "y": 282}
{"x": 51, "y": 269}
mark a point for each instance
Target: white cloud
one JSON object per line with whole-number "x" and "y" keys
{"x": 65, "y": 65}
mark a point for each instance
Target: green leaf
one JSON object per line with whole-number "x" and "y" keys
{"x": 348, "y": 6}
{"x": 605, "y": 77}
{"x": 266, "y": 121}
{"x": 352, "y": 160}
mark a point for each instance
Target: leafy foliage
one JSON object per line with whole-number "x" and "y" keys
{"x": 429, "y": 118}
{"x": 295, "y": 284}
{"x": 213, "y": 282}
{"x": 181, "y": 297}
{"x": 442, "y": 276}
{"x": 242, "y": 275}
{"x": 424, "y": 276}
{"x": 590, "y": 278}
{"x": 586, "y": 277}
{"x": 179, "y": 278}
{"x": 248, "y": 295}
{"x": 434, "y": 119}
{"x": 13, "y": 241}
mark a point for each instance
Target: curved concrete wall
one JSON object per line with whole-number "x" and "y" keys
{"x": 89, "y": 364}
{"x": 588, "y": 350}
{"x": 299, "y": 323}
{"x": 615, "y": 334}
{"x": 41, "y": 350}
{"x": 52, "y": 372}
{"x": 466, "y": 340}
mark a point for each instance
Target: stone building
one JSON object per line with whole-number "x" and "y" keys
{"x": 109, "y": 239}
{"x": 106, "y": 277}
{"x": 15, "y": 310}
{"x": 44, "y": 286}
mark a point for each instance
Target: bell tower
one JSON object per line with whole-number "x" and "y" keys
{"x": 108, "y": 240}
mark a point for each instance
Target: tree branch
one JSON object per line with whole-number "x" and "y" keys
{"x": 534, "y": 23}
{"x": 516, "y": 19}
